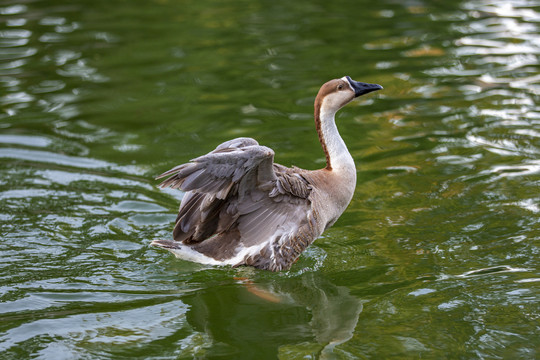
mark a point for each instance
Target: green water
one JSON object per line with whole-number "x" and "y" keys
{"x": 436, "y": 257}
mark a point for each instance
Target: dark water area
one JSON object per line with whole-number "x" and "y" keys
{"x": 436, "y": 256}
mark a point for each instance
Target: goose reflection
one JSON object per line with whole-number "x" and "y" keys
{"x": 306, "y": 315}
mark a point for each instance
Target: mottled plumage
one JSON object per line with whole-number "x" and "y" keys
{"x": 242, "y": 209}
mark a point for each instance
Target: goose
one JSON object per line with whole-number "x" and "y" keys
{"x": 241, "y": 208}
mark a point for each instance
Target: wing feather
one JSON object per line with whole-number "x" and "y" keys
{"x": 236, "y": 193}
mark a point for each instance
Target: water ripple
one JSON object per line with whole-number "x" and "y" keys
{"x": 65, "y": 160}
{"x": 448, "y": 177}
{"x": 13, "y": 9}
{"x": 160, "y": 321}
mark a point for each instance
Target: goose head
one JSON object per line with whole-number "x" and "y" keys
{"x": 332, "y": 96}
{"x": 337, "y": 93}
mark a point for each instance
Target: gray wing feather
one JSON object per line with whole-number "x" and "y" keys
{"x": 237, "y": 193}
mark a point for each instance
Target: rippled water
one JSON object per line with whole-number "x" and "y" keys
{"x": 436, "y": 257}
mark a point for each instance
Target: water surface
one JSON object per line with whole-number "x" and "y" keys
{"x": 436, "y": 257}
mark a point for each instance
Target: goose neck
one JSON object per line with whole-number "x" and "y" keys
{"x": 337, "y": 154}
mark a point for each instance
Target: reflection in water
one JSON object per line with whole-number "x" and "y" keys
{"x": 309, "y": 317}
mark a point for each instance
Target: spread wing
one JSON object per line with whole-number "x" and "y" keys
{"x": 238, "y": 203}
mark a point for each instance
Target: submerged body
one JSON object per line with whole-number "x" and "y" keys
{"x": 242, "y": 209}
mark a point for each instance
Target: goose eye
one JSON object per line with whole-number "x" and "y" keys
{"x": 340, "y": 87}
